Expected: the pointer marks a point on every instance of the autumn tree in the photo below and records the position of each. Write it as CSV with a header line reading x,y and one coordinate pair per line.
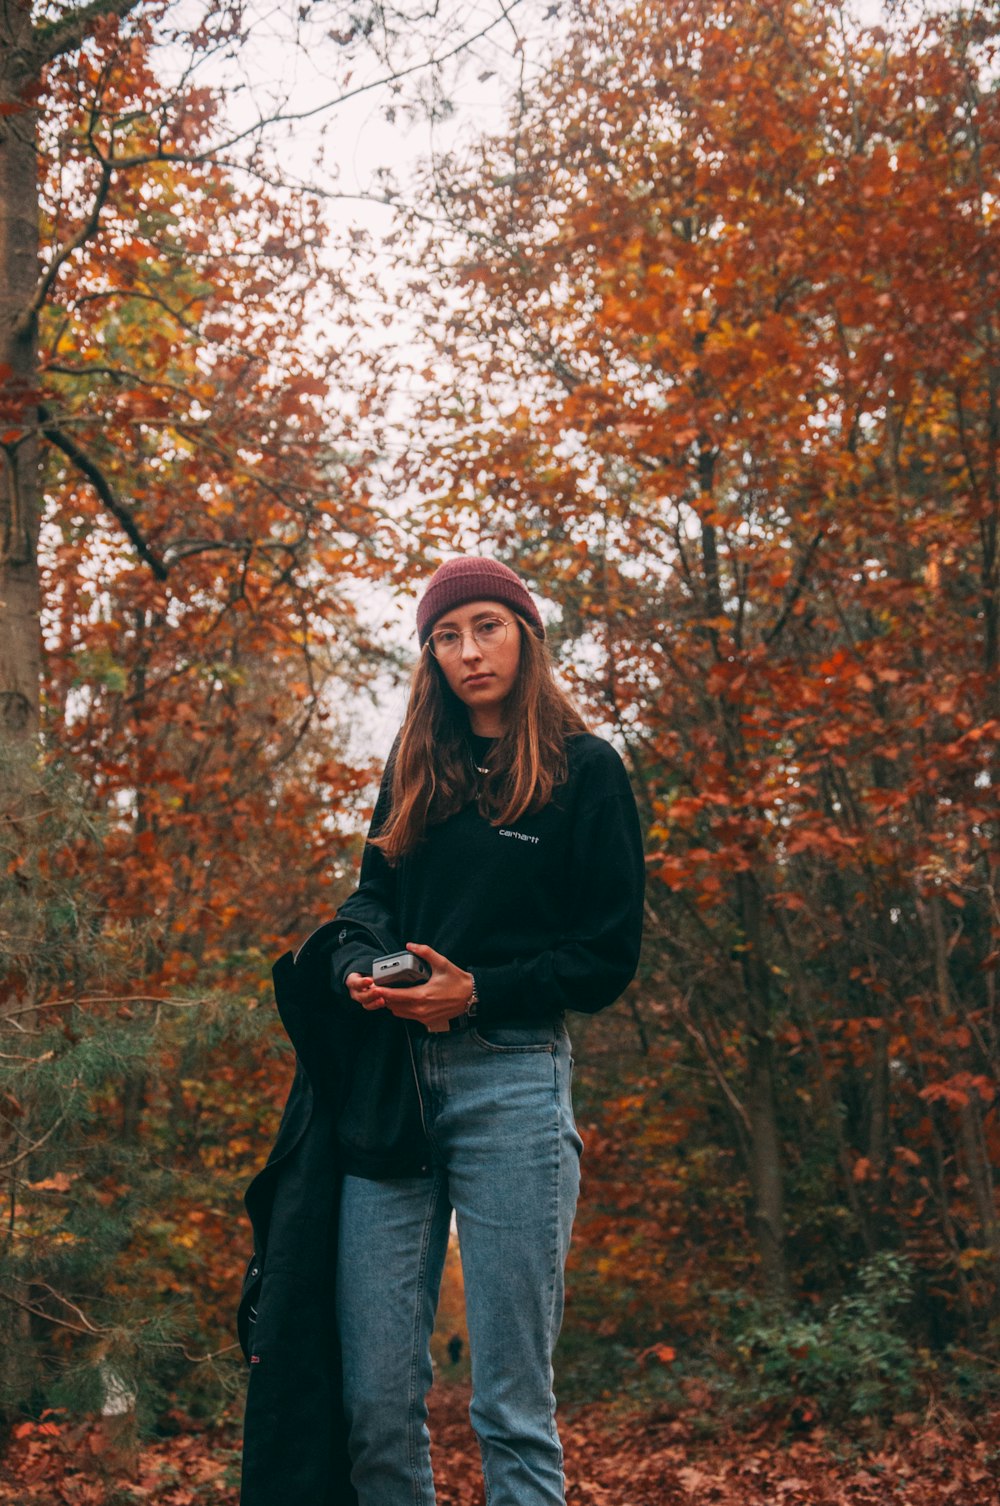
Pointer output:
x,y
206,512
187,511
715,356
109,152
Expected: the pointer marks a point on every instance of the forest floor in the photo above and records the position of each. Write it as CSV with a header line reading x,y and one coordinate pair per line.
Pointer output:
x,y
611,1460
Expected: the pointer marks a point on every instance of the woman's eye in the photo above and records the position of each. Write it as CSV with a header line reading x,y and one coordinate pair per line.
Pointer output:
x,y
488,629
446,640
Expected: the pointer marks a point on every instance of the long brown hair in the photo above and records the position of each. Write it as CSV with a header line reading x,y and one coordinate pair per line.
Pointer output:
x,y
433,775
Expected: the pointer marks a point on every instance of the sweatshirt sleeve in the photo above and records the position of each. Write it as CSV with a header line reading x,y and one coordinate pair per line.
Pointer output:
x,y
374,900
596,958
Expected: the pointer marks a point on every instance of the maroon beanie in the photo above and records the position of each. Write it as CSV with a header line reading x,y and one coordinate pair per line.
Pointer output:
x,y
470,578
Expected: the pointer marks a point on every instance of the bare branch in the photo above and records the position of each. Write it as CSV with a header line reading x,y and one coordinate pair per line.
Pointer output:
x,y
286,117
35,1145
795,587
102,487
109,999
56,37
38,1312
195,1359
60,257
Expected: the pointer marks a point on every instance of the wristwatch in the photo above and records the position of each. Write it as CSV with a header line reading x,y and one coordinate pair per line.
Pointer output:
x,y
470,1008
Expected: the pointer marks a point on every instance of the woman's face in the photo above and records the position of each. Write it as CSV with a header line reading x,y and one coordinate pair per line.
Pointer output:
x,y
482,674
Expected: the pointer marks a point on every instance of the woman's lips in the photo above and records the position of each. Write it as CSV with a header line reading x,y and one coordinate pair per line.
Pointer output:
x,y
477,679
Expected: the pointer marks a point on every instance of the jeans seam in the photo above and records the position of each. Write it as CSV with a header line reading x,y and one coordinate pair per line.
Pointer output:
x,y
485,1045
417,1331
555,1225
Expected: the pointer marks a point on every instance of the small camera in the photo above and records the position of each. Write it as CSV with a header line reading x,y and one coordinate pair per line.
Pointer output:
x,y
399,970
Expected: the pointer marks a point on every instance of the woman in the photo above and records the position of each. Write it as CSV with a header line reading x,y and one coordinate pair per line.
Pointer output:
x,y
504,852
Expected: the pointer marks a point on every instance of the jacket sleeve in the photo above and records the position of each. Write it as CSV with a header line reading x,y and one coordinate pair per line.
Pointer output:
x,y
596,958
374,900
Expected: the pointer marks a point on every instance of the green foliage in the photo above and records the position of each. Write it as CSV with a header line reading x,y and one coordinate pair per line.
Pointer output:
x,y
661,1306
853,1360
849,1366
122,1163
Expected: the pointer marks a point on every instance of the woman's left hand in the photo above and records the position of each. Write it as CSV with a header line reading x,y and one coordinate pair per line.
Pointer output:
x,y
440,999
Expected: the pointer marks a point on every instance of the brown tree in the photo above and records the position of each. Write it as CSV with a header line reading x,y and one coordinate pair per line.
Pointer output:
x,y
717,358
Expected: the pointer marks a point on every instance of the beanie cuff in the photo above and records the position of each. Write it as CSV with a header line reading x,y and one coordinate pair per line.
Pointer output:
x,y
471,578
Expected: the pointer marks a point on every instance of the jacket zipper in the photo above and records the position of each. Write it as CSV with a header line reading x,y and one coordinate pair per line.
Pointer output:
x,y
416,1084
361,925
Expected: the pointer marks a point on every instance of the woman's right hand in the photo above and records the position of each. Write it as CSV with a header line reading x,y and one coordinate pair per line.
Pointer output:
x,y
362,990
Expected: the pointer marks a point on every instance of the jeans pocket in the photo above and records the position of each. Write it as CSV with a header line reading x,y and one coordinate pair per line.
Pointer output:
x,y
515,1038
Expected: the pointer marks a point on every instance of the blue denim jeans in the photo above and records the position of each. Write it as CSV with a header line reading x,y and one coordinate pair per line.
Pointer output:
x,y
506,1156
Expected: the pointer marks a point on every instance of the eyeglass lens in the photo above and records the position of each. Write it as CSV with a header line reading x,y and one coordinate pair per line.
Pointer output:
x,y
487,634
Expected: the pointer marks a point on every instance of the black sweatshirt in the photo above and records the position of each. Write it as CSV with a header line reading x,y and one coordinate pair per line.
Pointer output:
x,y
546,914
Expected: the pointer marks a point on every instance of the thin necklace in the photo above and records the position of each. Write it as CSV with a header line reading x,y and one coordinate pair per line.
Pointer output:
x,y
472,758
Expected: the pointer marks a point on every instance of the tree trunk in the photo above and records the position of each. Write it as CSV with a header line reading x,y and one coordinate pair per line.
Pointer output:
x,y
971,1139
766,1168
20,482
766,1157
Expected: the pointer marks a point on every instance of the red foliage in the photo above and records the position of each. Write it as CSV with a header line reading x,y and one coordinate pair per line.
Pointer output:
x,y
718,364
610,1461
